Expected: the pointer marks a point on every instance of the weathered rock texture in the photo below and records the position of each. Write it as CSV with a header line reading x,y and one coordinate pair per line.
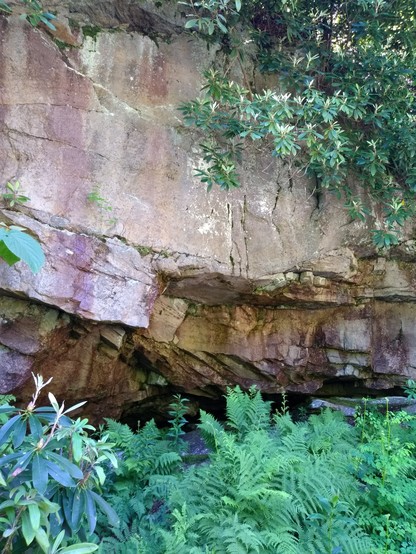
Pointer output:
x,y
160,284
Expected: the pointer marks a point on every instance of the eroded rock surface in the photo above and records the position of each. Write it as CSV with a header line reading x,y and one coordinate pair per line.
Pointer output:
x,y
159,284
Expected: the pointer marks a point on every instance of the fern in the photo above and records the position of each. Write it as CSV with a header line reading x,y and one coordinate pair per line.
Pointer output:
x,y
247,411
270,486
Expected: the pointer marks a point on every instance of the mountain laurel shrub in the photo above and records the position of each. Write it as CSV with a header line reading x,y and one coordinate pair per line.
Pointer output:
x,y
51,474
339,101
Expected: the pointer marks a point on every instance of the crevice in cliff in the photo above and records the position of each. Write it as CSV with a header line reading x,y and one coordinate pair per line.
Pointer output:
x,y
317,194
245,235
234,243
273,214
11,131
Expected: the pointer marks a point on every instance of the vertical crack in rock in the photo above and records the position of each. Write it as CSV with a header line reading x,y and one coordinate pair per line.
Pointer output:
x,y
276,200
245,237
317,194
235,249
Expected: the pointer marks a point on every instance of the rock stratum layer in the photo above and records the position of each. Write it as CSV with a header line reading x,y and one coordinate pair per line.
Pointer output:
x,y
150,283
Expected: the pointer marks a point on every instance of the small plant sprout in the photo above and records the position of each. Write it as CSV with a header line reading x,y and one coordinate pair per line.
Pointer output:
x,y
14,195
106,209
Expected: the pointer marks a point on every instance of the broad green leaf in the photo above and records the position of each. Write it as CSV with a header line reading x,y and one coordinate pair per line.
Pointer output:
x,y
36,429
8,427
60,475
24,461
222,27
90,511
71,468
76,440
81,548
27,528
25,247
106,508
78,502
7,255
111,457
34,516
101,475
4,460
7,408
39,473
19,433
42,540
191,23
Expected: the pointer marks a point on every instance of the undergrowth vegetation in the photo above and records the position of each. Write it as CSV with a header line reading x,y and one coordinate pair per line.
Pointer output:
x,y
265,483
268,485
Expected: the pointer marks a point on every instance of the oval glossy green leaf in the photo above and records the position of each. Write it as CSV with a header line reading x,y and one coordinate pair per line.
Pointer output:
x,y
191,23
36,429
27,529
19,433
25,247
81,548
91,512
100,473
76,440
78,503
71,468
42,539
59,474
112,516
39,473
34,516
8,427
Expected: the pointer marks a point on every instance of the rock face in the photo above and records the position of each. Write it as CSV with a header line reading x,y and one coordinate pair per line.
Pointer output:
x,y
150,282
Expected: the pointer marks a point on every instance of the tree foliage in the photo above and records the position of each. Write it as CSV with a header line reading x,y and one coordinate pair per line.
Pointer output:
x,y
342,107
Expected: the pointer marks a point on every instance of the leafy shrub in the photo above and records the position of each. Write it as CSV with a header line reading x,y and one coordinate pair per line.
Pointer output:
x,y
387,468
148,469
342,107
51,471
269,484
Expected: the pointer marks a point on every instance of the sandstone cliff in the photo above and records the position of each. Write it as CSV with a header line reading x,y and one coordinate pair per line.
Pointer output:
x,y
159,284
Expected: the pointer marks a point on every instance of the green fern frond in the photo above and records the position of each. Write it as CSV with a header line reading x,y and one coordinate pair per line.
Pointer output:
x,y
247,411
211,431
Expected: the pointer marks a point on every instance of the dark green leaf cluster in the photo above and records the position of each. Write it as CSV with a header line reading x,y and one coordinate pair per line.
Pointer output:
x,y
50,472
342,107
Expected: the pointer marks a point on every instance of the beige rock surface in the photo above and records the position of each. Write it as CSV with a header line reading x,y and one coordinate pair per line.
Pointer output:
x,y
160,282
